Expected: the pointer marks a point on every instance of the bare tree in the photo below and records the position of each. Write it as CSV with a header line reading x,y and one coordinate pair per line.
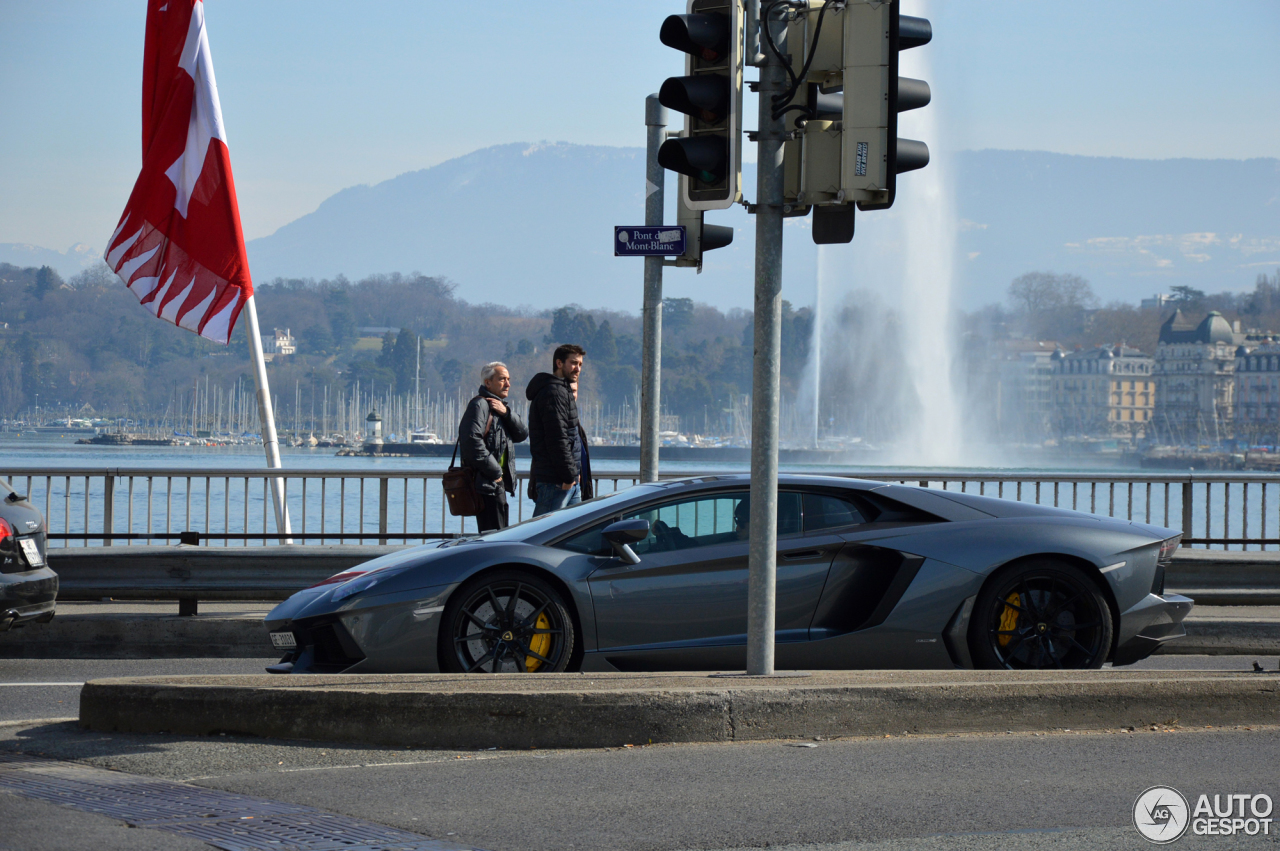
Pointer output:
x,y
1049,303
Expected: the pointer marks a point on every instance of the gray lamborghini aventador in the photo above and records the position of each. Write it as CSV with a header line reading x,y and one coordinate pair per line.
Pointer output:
x,y
654,578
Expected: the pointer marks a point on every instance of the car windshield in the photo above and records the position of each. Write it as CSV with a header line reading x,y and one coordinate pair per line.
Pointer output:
x,y
556,519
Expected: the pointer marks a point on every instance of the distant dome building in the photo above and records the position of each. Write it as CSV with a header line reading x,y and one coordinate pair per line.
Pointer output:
x,y
1195,383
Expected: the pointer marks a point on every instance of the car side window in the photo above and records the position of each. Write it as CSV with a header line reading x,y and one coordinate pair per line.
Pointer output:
x,y
690,523
591,542
822,511
718,519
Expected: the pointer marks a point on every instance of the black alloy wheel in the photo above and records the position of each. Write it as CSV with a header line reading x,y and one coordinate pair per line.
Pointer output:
x,y
1040,615
506,622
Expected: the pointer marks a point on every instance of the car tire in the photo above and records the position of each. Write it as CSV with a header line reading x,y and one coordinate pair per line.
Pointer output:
x,y
508,621
1040,614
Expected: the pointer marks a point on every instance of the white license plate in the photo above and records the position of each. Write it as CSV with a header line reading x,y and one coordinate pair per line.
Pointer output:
x,y
284,640
31,551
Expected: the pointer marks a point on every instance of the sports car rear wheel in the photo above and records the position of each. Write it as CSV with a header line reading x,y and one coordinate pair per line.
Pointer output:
x,y
1040,614
507,622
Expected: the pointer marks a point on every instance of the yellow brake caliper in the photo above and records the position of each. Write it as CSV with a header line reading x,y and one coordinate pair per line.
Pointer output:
x,y
1009,618
540,643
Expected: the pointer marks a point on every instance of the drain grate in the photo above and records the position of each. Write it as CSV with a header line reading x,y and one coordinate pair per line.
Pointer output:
x,y
141,803
225,820
9,760
313,831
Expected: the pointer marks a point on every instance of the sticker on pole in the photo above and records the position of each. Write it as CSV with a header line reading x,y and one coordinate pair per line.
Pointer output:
x,y
644,241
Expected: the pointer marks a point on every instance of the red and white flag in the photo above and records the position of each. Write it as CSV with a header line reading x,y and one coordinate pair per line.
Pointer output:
x,y
179,246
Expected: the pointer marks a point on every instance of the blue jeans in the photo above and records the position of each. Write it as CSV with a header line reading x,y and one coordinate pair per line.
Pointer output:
x,y
553,498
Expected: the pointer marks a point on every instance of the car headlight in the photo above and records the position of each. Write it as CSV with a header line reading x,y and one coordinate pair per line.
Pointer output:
x,y
355,586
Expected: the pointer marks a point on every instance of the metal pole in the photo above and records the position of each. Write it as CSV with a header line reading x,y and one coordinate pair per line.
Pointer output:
x,y
269,441
655,119
761,590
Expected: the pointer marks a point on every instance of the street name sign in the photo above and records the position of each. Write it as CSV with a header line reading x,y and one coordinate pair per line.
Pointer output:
x,y
644,241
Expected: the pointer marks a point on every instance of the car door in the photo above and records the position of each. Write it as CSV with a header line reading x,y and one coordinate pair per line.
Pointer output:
x,y
689,591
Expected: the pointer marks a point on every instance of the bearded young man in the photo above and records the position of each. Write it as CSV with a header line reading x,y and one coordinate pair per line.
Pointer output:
x,y
554,437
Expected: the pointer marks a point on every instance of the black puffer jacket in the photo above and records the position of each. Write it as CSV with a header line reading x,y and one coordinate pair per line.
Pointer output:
x,y
483,452
553,424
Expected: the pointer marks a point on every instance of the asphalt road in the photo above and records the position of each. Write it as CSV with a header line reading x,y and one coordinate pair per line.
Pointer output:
x,y
50,688
1063,790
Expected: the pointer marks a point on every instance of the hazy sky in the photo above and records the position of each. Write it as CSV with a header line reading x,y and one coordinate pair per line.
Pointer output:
x,y
322,95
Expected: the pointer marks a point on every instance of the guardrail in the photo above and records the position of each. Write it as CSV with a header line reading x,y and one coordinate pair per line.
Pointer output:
x,y
97,505
189,574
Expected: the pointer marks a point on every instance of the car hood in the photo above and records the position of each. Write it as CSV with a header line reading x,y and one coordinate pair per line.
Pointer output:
x,y
403,572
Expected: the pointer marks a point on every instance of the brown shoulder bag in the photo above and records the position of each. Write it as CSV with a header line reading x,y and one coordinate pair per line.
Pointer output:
x,y
460,481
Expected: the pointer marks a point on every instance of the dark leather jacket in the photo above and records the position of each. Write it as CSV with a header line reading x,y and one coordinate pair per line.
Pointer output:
x,y
483,452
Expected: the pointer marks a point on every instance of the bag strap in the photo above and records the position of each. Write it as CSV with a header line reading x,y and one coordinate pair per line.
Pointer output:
x,y
484,433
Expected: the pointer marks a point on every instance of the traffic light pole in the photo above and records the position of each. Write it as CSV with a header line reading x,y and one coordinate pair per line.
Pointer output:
x,y
763,558
655,119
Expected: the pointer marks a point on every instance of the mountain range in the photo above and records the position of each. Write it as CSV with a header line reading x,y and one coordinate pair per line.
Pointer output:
x,y
532,224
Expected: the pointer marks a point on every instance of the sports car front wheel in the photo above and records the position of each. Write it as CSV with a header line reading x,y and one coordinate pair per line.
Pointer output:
x,y
506,622
1040,614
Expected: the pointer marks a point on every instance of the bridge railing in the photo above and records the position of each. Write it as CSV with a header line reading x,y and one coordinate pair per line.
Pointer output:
x,y
91,506
98,506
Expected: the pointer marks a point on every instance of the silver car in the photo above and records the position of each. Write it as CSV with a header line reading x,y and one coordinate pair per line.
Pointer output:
x,y
28,587
654,578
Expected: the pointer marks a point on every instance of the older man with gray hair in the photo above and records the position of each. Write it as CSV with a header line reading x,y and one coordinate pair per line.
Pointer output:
x,y
487,436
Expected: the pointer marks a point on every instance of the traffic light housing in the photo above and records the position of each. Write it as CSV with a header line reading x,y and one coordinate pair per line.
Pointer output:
x,y
873,155
844,112
698,235
709,151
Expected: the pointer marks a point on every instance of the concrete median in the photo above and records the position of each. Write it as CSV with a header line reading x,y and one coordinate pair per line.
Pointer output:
x,y
611,710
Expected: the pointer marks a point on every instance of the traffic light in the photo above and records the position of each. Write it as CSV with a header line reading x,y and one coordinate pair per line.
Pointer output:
x,y
698,236
709,152
843,104
874,94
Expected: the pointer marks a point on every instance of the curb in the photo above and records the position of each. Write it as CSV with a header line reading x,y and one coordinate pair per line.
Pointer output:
x,y
132,637
122,636
611,710
1226,638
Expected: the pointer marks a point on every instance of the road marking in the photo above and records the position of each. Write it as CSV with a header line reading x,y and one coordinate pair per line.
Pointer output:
x,y
42,684
28,722
346,766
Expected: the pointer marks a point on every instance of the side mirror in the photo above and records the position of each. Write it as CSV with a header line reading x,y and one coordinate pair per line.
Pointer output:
x,y
622,534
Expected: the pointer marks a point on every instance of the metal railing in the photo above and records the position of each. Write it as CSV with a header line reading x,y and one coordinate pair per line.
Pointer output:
x,y
87,506
1186,501
90,506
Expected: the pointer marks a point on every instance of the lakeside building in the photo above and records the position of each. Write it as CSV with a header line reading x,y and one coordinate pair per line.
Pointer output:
x,y
1257,393
1195,379
1024,390
280,342
1107,392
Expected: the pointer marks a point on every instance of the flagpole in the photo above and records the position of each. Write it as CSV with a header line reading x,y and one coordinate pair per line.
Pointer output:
x,y
269,441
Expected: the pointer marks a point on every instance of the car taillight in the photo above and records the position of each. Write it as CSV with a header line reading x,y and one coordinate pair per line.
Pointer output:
x,y
1167,549
341,577
6,531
